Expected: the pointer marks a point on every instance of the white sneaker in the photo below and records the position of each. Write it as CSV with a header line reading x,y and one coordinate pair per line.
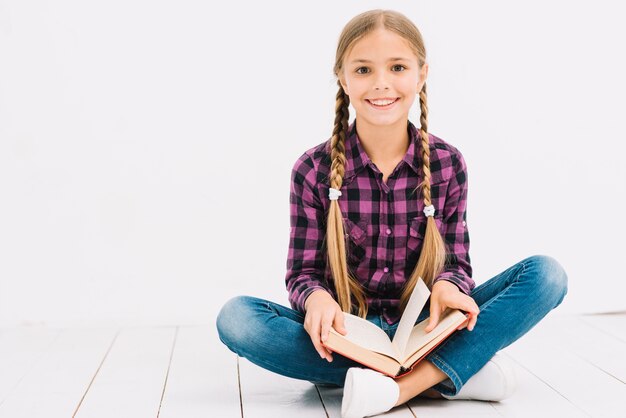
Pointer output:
x,y
494,382
367,392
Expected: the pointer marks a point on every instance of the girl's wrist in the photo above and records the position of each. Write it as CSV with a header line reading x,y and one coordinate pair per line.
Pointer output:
x,y
315,294
445,283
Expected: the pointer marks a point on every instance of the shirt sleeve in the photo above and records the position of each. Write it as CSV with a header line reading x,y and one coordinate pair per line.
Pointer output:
x,y
306,262
458,268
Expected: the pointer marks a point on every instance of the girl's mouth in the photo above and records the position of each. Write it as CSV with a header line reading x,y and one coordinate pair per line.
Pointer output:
x,y
383,104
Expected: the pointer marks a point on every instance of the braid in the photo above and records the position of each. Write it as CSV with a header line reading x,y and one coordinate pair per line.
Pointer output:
x,y
432,256
345,284
337,144
425,148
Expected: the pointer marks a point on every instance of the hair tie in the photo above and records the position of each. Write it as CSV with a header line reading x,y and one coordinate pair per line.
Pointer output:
x,y
429,210
333,194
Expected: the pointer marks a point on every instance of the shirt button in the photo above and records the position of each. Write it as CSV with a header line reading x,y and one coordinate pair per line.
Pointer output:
x,y
386,269
388,231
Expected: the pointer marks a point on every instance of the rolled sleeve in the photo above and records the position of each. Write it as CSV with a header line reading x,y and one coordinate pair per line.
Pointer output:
x,y
305,260
458,268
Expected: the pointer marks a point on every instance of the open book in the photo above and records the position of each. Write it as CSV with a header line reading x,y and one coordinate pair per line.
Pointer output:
x,y
369,345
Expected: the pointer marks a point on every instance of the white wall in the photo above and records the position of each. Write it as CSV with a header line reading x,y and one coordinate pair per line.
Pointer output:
x,y
146,147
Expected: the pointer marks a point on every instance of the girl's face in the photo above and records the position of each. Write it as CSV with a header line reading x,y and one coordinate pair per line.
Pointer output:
x,y
381,76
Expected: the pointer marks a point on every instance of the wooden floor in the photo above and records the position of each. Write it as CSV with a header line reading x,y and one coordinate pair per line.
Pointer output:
x,y
567,366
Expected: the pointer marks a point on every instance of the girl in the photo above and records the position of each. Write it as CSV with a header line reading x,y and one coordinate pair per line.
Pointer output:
x,y
373,208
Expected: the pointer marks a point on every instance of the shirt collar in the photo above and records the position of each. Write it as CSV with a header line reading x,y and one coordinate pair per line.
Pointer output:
x,y
357,158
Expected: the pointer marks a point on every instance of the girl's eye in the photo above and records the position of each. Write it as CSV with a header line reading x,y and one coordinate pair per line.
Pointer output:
x,y
395,66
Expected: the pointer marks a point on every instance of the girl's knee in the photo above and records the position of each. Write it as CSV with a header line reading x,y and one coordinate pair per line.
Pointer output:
x,y
551,275
232,318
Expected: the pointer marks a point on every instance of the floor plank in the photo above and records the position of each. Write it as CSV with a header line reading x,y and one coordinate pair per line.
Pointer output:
x,y
444,408
67,368
20,349
131,380
611,324
583,384
597,347
534,398
332,401
202,381
266,394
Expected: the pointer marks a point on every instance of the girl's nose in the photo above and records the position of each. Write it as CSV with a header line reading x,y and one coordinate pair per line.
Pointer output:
x,y
381,82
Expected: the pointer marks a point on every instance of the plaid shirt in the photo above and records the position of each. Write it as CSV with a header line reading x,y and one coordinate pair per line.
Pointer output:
x,y
385,222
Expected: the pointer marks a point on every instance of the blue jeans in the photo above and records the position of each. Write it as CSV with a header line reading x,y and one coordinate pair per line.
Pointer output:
x,y
511,303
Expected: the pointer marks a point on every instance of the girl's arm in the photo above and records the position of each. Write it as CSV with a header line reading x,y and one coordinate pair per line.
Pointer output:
x,y
308,292
305,260
456,235
453,287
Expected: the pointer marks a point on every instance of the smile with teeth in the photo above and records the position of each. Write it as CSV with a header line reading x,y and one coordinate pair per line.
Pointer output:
x,y
382,102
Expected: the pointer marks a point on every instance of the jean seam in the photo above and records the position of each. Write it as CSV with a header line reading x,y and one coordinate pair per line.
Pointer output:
x,y
445,367
270,307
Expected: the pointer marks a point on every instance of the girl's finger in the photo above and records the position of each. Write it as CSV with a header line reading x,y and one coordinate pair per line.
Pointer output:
x,y
434,318
473,319
326,323
339,322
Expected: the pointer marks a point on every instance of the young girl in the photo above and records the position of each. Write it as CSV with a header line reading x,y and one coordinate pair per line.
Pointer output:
x,y
376,206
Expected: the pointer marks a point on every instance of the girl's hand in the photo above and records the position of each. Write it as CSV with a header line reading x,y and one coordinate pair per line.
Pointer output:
x,y
322,312
446,294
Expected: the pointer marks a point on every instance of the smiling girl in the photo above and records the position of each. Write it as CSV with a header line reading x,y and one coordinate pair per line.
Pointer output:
x,y
377,205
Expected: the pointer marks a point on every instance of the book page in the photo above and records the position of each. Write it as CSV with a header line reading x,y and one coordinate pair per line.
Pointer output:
x,y
414,306
420,338
368,335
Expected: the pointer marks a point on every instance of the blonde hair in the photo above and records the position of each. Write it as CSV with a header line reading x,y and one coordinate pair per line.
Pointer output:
x,y
433,253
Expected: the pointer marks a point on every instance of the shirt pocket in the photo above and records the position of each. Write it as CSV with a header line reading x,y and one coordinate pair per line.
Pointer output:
x,y
417,230
356,239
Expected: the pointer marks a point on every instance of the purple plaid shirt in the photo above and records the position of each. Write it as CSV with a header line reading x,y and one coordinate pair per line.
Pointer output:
x,y
385,222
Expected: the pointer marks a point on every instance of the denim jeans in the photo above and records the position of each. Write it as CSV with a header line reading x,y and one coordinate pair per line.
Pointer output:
x,y
511,303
